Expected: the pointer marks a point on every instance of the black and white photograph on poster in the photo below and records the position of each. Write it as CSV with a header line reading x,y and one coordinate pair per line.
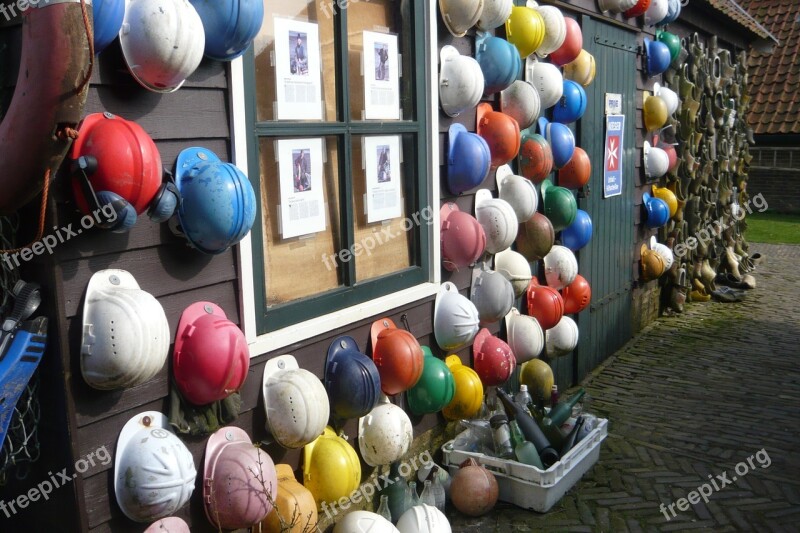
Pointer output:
x,y
302,170
381,62
298,56
297,70
381,76
382,163
300,166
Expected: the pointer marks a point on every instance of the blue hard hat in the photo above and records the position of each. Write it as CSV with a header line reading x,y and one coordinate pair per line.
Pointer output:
x,y
468,159
673,12
351,379
499,60
572,104
230,25
579,233
218,204
657,211
107,16
561,139
658,57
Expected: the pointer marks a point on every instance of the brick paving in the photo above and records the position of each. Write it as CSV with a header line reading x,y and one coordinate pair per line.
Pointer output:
x,y
688,398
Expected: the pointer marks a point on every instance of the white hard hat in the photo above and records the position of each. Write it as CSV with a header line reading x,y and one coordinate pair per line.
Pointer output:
x,y
364,522
498,220
562,338
664,251
520,101
669,96
494,14
384,434
656,12
154,472
555,30
525,336
656,161
455,318
547,79
519,192
491,293
460,81
616,6
163,42
424,519
460,15
125,332
295,401
560,267
515,268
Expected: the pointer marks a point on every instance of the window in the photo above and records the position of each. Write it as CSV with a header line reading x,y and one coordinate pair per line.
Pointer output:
x,y
316,248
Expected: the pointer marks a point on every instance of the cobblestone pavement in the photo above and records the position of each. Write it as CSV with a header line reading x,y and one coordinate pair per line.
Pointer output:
x,y
688,398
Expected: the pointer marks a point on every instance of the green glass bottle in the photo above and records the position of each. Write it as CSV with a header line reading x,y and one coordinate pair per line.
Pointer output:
x,y
524,451
561,412
553,433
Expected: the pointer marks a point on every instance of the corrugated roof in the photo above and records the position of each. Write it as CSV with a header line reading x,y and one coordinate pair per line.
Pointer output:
x,y
774,77
742,15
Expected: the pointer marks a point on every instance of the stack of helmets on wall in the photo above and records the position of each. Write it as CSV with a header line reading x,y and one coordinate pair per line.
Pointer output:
x,y
526,87
696,159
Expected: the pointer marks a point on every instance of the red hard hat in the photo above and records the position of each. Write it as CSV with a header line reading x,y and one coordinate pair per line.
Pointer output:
x,y
128,162
577,172
500,132
494,361
535,237
211,357
544,304
398,356
576,295
535,157
463,239
637,10
672,155
573,44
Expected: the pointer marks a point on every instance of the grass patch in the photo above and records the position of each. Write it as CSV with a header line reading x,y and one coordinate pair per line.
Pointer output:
x,y
773,228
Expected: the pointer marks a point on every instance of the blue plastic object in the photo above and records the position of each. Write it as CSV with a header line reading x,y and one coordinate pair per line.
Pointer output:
x,y
572,104
126,213
673,12
17,364
230,25
579,233
499,61
218,204
561,139
107,16
351,379
658,57
468,159
657,211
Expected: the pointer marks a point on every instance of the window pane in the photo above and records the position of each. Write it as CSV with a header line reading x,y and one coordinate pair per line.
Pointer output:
x,y
264,46
386,246
296,267
381,16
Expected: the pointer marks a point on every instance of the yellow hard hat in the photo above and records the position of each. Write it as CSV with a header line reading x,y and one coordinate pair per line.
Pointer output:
x,y
582,69
525,30
538,377
469,391
331,469
294,503
668,196
655,112
651,263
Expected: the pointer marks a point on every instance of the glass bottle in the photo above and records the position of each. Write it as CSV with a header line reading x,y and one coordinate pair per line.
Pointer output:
x,y
413,497
523,398
383,508
439,493
530,430
554,397
427,496
395,490
524,451
502,437
559,413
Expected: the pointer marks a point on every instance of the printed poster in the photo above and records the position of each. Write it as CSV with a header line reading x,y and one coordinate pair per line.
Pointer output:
x,y
381,76
297,70
612,160
382,165
302,196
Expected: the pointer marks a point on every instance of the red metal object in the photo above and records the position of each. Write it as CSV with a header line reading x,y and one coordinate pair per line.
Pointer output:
x,y
55,58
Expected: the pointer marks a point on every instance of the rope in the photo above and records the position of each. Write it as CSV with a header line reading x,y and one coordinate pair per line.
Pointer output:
x,y
90,39
42,216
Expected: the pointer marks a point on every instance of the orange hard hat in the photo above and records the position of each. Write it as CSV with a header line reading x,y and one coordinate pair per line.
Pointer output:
x,y
573,44
577,172
398,356
576,295
501,133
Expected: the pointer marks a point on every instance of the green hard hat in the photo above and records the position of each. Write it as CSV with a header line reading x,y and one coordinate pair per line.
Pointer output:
x,y
435,387
672,41
559,205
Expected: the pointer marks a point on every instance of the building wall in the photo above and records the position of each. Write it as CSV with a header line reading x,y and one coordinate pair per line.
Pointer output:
x,y
775,173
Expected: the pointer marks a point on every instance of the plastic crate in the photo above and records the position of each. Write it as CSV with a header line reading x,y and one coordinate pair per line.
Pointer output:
x,y
527,486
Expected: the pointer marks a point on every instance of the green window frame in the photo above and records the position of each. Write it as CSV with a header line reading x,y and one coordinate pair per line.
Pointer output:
x,y
415,135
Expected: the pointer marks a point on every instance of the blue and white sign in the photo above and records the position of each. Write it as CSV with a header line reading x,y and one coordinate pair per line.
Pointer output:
x,y
612,166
